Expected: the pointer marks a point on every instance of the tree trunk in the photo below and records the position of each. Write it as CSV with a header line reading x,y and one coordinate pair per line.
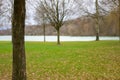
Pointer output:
x,y
58,37
97,20
97,36
44,32
119,19
97,30
18,24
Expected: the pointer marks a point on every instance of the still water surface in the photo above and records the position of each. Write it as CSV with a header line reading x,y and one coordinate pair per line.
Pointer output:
x,y
62,38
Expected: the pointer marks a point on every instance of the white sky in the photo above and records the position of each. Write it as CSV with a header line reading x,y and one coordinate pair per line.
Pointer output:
x,y
31,10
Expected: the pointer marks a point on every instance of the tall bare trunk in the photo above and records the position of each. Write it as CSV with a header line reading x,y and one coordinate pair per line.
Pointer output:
x,y
18,24
44,32
119,19
97,20
97,36
58,36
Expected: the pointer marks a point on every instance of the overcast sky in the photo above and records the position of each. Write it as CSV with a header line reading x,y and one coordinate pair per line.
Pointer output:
x,y
31,11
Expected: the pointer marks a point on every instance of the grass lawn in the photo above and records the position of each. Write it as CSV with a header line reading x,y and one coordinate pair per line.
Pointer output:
x,y
70,61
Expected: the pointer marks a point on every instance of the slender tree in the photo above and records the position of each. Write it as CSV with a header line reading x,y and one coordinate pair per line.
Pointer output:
x,y
18,24
56,12
97,20
119,20
95,14
41,18
44,28
119,17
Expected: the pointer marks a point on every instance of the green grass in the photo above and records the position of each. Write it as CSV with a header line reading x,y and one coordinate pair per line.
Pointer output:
x,y
70,61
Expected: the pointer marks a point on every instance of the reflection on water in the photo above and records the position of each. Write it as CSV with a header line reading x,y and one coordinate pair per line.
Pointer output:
x,y
62,38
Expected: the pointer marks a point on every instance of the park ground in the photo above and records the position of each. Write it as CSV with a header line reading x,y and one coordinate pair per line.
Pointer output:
x,y
94,60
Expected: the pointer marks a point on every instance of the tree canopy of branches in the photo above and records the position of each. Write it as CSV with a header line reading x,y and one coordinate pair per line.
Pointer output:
x,y
0,7
56,11
6,10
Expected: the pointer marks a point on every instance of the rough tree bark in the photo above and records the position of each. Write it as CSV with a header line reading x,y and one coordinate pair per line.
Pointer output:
x,y
18,24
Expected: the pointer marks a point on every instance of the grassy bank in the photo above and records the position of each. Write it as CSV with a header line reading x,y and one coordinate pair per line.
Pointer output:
x,y
70,61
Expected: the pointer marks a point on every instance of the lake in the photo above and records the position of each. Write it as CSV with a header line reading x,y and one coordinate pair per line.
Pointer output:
x,y
62,38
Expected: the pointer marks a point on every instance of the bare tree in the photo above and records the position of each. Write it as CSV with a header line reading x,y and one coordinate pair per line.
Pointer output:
x,y
41,18
44,23
56,12
119,19
18,24
97,20
95,13
114,5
